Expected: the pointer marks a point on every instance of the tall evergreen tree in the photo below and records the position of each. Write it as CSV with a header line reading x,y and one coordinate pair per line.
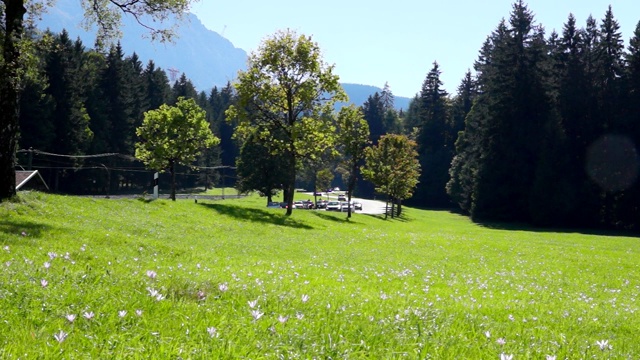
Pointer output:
x,y
183,87
373,111
66,88
386,96
220,101
157,86
628,209
117,91
434,145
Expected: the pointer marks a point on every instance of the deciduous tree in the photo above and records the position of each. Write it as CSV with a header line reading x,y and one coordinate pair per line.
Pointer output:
x,y
353,137
393,167
282,96
173,135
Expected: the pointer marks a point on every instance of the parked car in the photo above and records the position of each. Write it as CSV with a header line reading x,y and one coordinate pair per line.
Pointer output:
x,y
321,204
298,204
342,197
273,205
357,205
333,206
344,206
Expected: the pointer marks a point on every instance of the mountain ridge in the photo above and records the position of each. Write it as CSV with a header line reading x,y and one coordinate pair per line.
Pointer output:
x,y
207,58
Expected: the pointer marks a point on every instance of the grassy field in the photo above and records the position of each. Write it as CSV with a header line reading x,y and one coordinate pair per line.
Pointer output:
x,y
133,279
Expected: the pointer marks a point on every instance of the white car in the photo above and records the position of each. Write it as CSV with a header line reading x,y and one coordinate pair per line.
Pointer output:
x,y
333,206
344,206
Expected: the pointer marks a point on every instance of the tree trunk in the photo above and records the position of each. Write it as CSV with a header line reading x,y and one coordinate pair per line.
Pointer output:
x,y
173,181
291,184
393,207
10,95
386,209
350,186
399,207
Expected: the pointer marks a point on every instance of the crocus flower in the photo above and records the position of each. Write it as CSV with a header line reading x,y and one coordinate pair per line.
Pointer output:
x,y
71,317
256,314
60,336
213,332
603,344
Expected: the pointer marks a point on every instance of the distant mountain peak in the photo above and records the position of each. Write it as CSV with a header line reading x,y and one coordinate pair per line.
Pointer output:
x,y
207,58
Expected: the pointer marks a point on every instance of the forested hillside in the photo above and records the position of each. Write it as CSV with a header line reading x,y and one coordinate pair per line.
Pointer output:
x,y
550,130
80,113
544,130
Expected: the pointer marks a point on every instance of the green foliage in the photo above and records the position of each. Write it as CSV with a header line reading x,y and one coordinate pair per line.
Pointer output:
x,y
282,98
259,169
17,56
392,166
435,141
173,135
353,138
158,16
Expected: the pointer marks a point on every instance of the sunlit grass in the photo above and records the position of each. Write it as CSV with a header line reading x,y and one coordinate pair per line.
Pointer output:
x,y
97,278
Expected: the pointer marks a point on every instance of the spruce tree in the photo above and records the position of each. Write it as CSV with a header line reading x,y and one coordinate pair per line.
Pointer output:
x,y
434,148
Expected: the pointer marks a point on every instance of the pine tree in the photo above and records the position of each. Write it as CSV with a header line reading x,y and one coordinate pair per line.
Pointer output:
x,y
373,111
183,87
517,110
66,88
157,86
117,91
434,147
386,96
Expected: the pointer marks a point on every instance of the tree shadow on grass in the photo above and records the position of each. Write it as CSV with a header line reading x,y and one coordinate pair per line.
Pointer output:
x,y
256,215
519,226
402,218
332,217
18,227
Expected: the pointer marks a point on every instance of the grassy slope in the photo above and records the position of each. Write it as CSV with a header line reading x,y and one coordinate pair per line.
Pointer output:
x,y
429,284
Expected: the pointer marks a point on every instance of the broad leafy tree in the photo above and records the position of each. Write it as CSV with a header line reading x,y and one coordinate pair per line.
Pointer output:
x,y
393,167
173,135
353,138
282,96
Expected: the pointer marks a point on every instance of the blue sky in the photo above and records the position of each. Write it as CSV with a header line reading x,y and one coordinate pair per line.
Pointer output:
x,y
396,41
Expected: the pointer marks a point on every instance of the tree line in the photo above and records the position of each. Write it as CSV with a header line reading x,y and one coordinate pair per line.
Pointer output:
x,y
544,132
81,101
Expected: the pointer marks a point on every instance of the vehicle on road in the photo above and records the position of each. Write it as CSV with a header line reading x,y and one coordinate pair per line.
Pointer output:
x,y
342,197
344,206
357,205
321,204
333,206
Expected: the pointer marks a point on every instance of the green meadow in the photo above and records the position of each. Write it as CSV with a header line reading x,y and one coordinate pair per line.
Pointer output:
x,y
87,278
